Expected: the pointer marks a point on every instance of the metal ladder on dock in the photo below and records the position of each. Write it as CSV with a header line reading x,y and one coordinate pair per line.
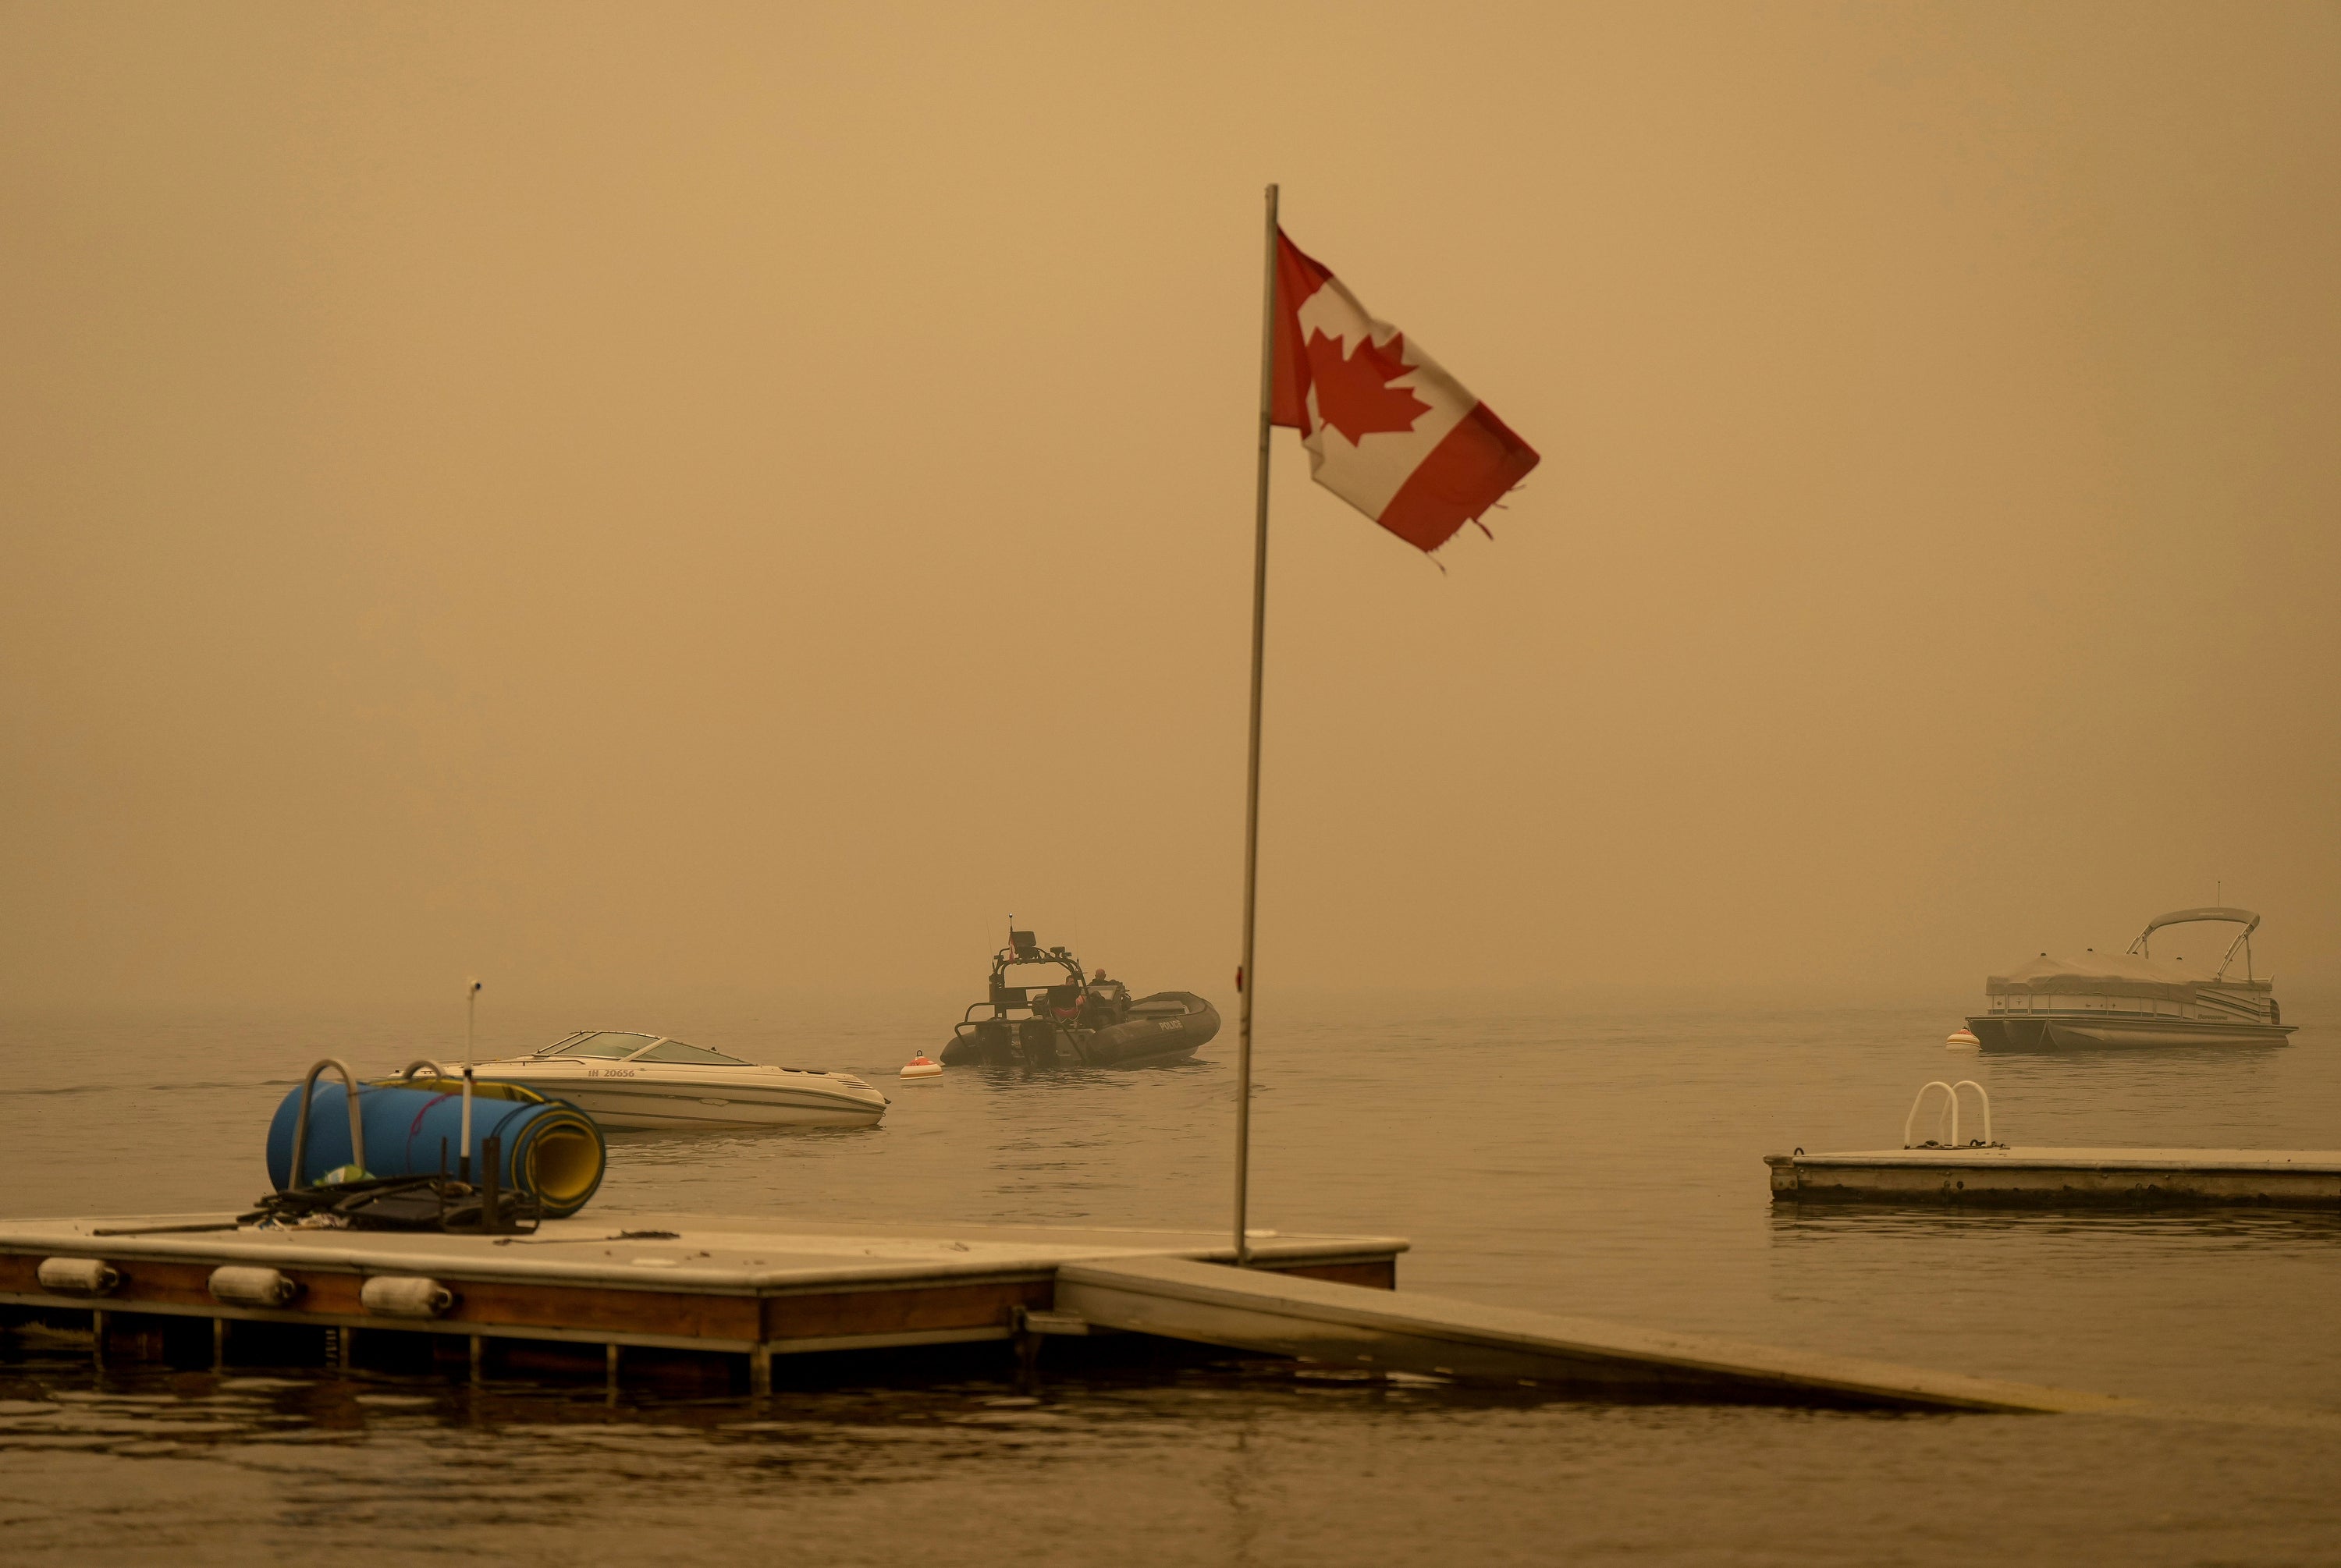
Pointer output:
x,y
1946,1125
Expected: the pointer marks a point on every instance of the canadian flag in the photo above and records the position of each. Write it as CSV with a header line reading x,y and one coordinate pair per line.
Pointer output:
x,y
1388,431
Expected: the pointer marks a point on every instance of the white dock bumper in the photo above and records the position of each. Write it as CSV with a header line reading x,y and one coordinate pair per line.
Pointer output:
x,y
405,1296
78,1276
262,1287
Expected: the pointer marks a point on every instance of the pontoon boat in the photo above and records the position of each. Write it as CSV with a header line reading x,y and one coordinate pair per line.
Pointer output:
x,y
2133,999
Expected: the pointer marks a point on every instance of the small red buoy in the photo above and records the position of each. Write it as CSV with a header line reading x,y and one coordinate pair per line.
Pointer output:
x,y
924,1067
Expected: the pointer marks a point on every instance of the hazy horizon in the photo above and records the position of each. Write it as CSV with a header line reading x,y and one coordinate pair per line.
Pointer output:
x,y
641,502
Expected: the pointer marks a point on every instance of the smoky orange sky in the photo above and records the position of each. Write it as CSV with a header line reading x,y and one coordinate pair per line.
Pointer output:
x,y
624,499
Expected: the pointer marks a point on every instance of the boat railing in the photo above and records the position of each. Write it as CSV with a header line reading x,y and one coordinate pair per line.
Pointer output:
x,y
1946,1125
301,1120
2249,921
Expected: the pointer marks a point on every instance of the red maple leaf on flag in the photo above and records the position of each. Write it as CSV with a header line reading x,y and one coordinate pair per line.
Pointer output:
x,y
1354,394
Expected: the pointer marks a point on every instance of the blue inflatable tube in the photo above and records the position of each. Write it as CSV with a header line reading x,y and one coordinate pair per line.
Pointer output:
x,y
550,1150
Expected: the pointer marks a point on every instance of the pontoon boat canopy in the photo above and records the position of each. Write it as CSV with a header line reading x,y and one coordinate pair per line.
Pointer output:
x,y
2244,918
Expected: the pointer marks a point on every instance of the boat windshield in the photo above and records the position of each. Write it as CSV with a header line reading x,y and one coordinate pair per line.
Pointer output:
x,y
607,1044
688,1056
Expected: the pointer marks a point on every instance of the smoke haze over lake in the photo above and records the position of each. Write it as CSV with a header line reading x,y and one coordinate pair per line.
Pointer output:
x,y
695,513
630,502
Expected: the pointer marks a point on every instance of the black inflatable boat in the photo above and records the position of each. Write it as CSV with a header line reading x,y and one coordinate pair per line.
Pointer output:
x,y
1067,1019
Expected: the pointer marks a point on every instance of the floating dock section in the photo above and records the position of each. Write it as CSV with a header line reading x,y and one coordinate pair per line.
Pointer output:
x,y
1395,1330
2058,1177
749,1291
733,1286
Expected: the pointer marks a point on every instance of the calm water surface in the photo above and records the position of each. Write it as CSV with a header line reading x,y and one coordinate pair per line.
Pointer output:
x,y
1597,1162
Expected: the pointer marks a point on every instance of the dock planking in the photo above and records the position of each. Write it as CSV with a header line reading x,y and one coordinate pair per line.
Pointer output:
x,y
1404,1331
2002,1177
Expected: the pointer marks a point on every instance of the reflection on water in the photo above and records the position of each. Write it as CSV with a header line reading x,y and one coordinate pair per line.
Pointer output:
x,y
1204,1465
1601,1164
2084,1057
697,1146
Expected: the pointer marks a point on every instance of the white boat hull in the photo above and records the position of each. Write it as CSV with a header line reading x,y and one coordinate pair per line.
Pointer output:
x,y
644,1103
2047,1030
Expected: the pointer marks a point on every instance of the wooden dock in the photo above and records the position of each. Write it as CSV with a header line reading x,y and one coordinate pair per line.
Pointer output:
x,y
688,1283
730,1289
2056,1177
1401,1331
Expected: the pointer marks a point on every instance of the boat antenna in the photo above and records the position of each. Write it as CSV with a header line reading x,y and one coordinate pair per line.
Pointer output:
x,y
471,1012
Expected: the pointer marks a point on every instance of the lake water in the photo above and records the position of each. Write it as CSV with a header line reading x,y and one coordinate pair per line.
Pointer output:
x,y
1584,1159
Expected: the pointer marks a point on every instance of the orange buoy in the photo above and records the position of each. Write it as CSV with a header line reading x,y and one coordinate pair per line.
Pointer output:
x,y
924,1067
1962,1040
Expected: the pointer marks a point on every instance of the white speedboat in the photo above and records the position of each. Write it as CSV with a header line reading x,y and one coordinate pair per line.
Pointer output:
x,y
631,1080
2133,999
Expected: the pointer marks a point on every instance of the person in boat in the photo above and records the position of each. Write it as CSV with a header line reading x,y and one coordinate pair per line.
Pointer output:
x,y
1104,1002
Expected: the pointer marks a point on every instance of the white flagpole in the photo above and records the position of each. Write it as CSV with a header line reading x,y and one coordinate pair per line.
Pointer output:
x,y
1246,981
